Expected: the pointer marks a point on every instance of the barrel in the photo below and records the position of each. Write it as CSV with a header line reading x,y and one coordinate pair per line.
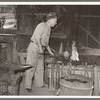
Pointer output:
x,y
76,85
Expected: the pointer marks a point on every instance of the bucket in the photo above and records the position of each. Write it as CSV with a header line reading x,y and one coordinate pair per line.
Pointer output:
x,y
76,85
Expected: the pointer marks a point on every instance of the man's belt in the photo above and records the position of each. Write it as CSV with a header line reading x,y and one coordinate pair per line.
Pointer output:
x,y
36,43
33,42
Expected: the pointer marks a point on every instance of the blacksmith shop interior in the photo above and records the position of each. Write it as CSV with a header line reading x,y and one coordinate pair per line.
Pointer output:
x,y
50,50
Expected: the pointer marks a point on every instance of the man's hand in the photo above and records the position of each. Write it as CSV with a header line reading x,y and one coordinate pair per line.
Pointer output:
x,y
51,53
41,51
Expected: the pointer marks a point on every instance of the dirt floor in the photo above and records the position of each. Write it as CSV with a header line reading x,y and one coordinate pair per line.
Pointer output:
x,y
37,91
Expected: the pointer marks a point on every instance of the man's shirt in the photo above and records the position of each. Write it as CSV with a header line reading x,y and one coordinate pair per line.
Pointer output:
x,y
42,32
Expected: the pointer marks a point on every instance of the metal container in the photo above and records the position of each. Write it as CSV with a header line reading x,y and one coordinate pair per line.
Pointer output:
x,y
76,85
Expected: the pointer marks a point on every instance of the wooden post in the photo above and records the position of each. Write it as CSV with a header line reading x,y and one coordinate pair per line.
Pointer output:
x,y
99,40
58,75
55,77
85,70
92,72
9,55
14,52
51,77
96,82
87,37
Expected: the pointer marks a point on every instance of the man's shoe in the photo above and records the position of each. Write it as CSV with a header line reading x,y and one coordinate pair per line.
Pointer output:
x,y
29,90
44,85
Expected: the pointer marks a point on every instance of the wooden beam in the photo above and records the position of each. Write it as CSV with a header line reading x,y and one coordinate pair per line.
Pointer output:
x,y
89,33
37,14
7,34
91,16
89,51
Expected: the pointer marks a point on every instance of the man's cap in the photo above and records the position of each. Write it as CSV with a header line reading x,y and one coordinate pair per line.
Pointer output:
x,y
51,15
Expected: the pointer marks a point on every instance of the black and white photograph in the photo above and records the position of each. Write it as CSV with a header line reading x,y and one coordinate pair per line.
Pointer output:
x,y
49,50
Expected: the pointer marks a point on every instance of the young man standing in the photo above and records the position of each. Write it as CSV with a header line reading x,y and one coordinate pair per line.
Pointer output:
x,y
35,52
